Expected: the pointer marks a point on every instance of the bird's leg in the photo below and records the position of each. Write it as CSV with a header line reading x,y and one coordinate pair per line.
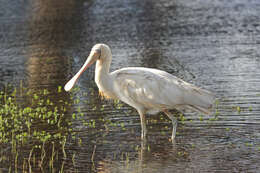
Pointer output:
x,y
174,122
144,130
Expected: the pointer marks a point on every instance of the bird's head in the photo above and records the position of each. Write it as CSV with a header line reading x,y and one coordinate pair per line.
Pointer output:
x,y
100,53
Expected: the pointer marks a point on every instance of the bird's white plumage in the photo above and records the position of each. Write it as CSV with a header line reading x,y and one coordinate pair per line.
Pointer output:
x,y
145,89
155,90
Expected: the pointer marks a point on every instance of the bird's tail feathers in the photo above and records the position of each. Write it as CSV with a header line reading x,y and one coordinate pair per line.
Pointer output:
x,y
199,109
199,100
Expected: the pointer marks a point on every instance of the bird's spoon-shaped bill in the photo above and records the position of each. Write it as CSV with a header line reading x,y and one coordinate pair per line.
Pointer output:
x,y
69,85
90,60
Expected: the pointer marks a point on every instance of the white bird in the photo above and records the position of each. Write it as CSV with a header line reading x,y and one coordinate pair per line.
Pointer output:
x,y
147,90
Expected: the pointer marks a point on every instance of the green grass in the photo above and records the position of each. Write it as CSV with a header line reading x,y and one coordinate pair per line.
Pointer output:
x,y
37,124
34,120
42,122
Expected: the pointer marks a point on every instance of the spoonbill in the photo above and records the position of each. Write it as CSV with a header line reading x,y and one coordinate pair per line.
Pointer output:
x,y
148,90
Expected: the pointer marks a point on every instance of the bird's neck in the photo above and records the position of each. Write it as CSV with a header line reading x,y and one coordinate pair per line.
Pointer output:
x,y
102,76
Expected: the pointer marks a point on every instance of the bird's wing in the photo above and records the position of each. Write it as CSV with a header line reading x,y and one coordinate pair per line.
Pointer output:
x,y
152,88
149,88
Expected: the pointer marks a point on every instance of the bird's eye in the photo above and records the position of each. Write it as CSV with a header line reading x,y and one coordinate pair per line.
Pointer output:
x,y
98,51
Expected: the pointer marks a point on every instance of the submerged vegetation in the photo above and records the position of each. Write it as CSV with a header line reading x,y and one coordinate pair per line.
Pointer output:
x,y
42,123
31,119
23,123
38,128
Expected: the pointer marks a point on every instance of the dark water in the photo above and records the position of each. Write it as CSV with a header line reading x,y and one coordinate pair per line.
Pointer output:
x,y
211,43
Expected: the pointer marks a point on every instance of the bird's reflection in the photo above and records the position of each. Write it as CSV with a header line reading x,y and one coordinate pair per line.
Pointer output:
x,y
150,158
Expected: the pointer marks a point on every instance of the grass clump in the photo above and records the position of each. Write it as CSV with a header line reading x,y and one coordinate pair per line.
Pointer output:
x,y
27,122
32,122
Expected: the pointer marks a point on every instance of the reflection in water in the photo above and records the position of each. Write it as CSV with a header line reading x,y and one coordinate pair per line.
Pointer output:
x,y
218,42
152,44
148,155
149,34
149,30
54,30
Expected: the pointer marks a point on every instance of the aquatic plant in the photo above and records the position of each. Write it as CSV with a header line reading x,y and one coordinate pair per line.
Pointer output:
x,y
32,119
41,122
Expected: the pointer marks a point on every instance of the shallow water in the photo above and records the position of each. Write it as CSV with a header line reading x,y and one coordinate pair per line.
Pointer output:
x,y
213,44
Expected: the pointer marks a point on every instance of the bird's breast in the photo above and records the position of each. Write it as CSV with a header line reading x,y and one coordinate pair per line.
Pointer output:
x,y
105,86
104,91
106,95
